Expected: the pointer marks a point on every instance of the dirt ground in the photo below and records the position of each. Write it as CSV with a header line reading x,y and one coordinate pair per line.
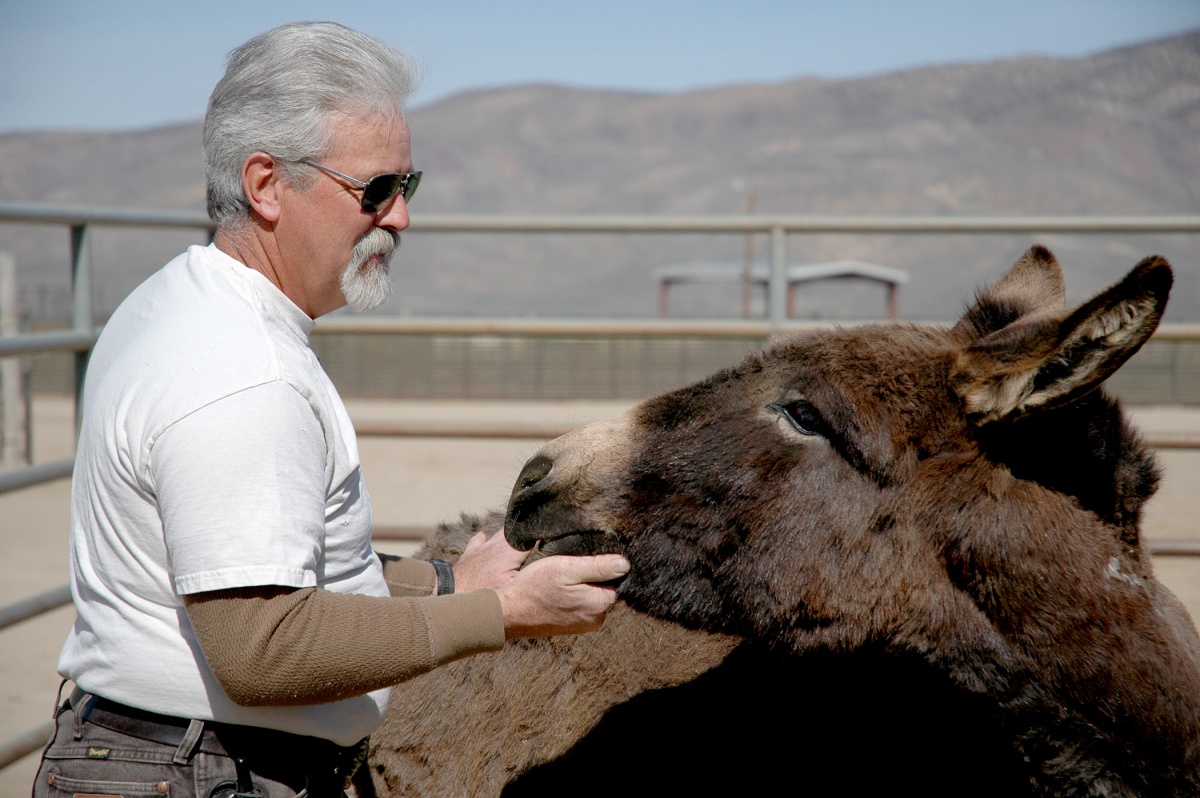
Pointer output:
x,y
413,482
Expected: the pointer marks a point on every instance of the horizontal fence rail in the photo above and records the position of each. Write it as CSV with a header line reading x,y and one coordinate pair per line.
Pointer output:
x,y
558,328
36,474
33,740
33,606
607,328
383,429
41,213
54,341
81,215
755,223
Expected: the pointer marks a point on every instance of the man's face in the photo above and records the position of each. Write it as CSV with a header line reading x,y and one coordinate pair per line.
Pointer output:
x,y
334,251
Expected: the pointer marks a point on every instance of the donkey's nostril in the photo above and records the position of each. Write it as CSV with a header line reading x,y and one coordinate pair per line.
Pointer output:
x,y
534,471
529,496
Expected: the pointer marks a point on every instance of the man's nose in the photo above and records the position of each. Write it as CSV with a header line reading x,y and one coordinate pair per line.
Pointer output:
x,y
394,215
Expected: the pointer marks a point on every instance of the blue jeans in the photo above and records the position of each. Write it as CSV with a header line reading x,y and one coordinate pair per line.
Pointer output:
x,y
104,749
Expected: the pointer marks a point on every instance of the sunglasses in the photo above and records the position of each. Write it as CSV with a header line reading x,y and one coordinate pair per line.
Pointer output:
x,y
380,188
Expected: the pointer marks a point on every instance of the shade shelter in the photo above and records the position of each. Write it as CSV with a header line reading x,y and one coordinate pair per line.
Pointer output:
x,y
795,275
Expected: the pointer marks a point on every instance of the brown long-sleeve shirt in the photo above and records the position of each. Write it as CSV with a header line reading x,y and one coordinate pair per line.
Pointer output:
x,y
275,646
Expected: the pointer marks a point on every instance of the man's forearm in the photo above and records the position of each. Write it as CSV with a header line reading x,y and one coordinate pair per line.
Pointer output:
x,y
274,646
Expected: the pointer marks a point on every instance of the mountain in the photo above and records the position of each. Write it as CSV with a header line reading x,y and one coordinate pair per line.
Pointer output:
x,y
1114,133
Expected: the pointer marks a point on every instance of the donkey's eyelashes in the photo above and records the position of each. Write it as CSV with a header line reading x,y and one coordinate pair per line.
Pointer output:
x,y
801,414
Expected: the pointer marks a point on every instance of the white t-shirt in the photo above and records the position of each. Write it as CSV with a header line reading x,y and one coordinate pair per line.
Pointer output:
x,y
214,453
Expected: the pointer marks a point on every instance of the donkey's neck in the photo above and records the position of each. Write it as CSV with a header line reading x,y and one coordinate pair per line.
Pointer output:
x,y
1088,451
1097,678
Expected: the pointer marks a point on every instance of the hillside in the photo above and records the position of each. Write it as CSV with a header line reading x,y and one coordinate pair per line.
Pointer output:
x,y
1116,133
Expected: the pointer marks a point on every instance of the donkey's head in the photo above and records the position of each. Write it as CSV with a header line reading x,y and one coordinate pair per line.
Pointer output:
x,y
882,484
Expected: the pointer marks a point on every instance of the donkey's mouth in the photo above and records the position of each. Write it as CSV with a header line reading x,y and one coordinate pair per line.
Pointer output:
x,y
579,542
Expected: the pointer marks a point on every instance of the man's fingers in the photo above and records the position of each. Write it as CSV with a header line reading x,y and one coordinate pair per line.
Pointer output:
x,y
486,562
594,568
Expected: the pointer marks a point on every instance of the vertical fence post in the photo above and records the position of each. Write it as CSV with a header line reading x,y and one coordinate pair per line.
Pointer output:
x,y
777,283
81,312
14,409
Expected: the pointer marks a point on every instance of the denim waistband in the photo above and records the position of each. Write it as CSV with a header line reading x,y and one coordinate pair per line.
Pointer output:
x,y
262,749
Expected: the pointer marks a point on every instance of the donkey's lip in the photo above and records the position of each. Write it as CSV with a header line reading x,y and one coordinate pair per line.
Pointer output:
x,y
576,531
582,542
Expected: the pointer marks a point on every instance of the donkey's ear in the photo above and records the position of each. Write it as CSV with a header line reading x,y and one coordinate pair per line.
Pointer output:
x,y
1047,361
1033,286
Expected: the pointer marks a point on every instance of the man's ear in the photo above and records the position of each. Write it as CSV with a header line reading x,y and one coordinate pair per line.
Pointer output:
x,y
263,181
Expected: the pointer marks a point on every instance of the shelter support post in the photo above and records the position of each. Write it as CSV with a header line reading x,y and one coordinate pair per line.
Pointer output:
x,y
777,282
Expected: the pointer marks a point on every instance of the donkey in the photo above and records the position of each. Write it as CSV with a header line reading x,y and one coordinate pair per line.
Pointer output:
x,y
966,498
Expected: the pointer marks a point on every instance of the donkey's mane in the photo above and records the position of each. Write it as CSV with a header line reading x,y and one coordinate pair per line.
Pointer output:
x,y
1087,450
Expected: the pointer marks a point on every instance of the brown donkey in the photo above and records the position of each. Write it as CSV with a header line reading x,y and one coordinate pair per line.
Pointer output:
x,y
865,561
967,497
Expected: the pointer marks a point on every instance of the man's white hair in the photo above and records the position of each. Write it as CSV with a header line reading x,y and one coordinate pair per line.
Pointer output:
x,y
279,93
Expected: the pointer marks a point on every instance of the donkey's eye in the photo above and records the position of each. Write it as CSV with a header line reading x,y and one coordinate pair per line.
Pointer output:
x,y
801,415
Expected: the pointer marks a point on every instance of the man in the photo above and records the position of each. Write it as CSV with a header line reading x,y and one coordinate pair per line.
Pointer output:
x,y
235,631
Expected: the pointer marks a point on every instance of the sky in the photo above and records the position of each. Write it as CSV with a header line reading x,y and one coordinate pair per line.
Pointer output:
x,y
128,64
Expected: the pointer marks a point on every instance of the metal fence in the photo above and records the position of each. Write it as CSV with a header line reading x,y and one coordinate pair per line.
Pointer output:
x,y
370,358
515,345
396,359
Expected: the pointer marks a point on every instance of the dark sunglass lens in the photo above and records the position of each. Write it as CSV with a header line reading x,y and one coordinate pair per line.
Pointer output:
x,y
382,188
379,190
410,185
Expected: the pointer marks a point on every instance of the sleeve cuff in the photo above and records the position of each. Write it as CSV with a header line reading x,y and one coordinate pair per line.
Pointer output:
x,y
406,576
465,623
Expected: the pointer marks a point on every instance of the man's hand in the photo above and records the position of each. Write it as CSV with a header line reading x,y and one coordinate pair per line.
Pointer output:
x,y
553,596
557,595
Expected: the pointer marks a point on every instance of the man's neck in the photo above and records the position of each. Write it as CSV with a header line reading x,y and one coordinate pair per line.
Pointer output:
x,y
254,252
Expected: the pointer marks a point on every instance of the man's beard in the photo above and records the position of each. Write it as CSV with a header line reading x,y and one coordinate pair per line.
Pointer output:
x,y
365,284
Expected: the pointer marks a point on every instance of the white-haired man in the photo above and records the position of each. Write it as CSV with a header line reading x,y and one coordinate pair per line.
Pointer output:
x,y
236,634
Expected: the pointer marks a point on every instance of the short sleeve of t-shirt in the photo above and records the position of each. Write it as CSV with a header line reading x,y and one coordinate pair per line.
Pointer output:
x,y
240,485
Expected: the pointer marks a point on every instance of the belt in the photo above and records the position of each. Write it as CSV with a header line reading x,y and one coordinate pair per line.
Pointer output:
x,y
267,751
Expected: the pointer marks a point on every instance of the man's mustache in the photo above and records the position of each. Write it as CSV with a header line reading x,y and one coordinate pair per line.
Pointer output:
x,y
377,241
